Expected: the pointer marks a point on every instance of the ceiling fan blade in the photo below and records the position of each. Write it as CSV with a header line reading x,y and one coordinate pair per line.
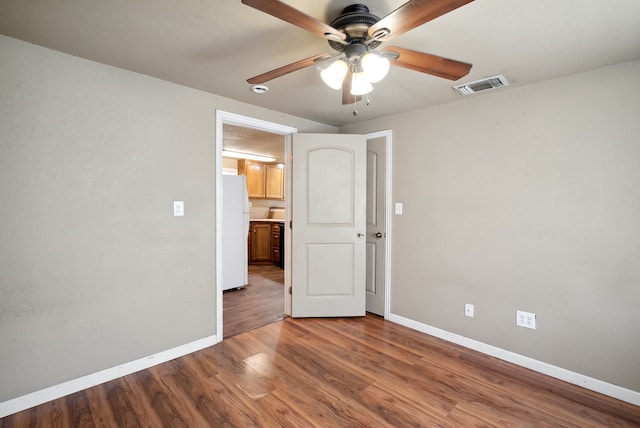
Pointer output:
x,y
293,16
285,69
413,14
347,96
430,64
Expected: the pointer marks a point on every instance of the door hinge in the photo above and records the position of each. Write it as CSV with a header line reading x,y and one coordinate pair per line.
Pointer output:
x,y
290,290
290,224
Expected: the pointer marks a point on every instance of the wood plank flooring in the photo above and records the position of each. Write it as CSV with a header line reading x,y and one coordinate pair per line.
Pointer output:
x,y
260,302
332,372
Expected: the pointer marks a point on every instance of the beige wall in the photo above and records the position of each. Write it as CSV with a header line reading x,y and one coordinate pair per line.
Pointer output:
x,y
94,269
526,199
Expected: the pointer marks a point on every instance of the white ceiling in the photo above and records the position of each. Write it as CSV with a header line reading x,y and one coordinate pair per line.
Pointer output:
x,y
215,45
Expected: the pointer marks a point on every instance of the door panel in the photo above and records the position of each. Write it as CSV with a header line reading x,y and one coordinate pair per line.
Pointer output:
x,y
335,282
371,286
330,186
376,224
372,187
328,214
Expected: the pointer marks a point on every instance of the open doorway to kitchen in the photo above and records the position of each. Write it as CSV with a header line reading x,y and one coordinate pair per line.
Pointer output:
x,y
257,157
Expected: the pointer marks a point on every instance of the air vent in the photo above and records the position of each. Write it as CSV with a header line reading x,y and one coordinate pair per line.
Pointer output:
x,y
482,85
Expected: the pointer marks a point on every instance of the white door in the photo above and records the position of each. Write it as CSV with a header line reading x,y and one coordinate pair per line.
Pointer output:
x,y
376,224
328,234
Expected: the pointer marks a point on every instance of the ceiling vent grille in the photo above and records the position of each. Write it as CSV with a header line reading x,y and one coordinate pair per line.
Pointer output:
x,y
482,85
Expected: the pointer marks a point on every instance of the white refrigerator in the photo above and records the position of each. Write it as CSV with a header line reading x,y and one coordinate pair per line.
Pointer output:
x,y
235,230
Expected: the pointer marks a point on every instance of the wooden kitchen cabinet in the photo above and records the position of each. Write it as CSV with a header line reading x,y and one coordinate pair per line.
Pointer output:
x,y
275,244
264,181
274,182
260,248
255,173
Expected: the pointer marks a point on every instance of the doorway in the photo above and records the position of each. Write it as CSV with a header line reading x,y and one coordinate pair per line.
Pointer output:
x,y
287,132
259,156
262,300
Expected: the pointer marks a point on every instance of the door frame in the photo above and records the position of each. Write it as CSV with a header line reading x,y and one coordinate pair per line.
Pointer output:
x,y
388,138
222,118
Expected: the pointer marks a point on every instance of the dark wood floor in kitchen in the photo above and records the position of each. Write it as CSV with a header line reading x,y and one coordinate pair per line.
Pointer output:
x,y
260,302
333,372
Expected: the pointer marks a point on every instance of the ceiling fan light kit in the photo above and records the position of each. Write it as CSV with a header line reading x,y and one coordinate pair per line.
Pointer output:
x,y
355,35
334,74
360,84
365,70
375,66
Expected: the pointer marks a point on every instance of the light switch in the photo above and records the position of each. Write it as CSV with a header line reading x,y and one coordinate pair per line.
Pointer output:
x,y
178,208
399,208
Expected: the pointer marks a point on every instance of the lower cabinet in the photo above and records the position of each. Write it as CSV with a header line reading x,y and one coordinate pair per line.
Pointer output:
x,y
276,257
260,242
266,243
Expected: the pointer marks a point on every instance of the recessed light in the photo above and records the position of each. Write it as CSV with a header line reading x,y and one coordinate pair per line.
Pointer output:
x,y
259,89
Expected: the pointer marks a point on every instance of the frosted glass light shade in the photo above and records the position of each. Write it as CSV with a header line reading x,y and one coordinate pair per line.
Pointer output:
x,y
360,84
375,66
333,75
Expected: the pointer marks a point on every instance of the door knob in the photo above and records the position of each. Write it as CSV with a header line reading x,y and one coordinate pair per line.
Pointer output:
x,y
360,235
377,235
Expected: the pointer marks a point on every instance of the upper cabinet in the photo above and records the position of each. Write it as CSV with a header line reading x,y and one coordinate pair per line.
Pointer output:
x,y
255,173
274,186
264,181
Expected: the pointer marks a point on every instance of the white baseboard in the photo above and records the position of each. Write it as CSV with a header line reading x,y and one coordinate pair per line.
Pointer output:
x,y
27,401
587,382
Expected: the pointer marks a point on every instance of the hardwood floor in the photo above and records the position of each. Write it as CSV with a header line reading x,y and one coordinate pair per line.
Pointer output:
x,y
328,373
260,302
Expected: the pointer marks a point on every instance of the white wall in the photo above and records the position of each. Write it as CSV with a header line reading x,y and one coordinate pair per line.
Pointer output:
x,y
529,199
94,269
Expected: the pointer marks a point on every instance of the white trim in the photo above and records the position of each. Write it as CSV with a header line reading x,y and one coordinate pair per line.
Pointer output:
x,y
250,122
288,150
218,198
223,117
388,136
27,401
574,378
388,230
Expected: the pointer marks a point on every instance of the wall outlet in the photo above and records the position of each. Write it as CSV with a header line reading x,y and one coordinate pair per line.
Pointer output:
x,y
468,310
526,319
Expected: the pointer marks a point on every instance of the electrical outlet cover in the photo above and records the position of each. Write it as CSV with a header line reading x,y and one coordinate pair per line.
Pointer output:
x,y
468,310
526,319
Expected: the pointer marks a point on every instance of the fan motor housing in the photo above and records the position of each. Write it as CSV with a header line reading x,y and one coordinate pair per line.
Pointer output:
x,y
354,21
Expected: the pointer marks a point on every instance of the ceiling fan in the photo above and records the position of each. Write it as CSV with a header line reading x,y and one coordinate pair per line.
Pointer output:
x,y
355,36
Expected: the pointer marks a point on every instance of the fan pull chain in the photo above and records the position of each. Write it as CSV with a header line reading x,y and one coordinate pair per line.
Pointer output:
x,y
367,102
